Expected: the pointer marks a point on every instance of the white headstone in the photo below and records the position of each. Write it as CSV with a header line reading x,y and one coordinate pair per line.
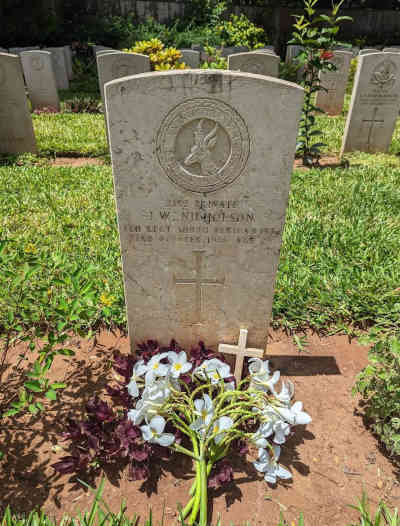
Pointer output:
x,y
375,104
18,50
16,129
201,182
335,82
68,61
40,79
96,49
255,62
112,66
392,50
60,66
191,58
367,51
226,51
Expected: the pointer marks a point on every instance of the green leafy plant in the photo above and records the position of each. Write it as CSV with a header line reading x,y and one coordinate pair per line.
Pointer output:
x,y
379,385
382,517
240,31
215,60
316,34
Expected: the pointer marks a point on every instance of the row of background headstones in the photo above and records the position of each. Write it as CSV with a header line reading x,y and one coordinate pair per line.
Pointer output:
x,y
39,74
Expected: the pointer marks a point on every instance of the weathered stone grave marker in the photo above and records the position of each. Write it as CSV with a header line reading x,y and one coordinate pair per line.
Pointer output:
x,y
335,82
60,66
391,49
68,61
40,79
201,183
191,58
16,129
117,64
259,62
375,103
368,51
18,50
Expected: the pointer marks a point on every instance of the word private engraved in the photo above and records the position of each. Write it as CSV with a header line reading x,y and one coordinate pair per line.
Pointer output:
x,y
203,145
384,75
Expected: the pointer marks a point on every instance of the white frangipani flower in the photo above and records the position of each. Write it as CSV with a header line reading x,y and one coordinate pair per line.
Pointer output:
x,y
155,368
220,427
260,375
139,370
265,430
213,370
179,363
154,432
138,414
281,430
205,409
268,465
286,393
294,415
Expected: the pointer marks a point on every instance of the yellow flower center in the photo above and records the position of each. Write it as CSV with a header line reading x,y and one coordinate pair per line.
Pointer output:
x,y
178,366
155,366
216,429
216,376
204,413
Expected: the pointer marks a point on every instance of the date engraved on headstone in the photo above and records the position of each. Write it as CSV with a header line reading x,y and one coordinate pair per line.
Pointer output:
x,y
203,145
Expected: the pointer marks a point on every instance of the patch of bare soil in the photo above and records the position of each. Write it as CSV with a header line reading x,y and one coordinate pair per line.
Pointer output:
x,y
332,460
328,161
76,161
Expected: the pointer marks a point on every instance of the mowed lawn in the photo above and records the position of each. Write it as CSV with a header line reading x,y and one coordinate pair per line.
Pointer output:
x,y
340,259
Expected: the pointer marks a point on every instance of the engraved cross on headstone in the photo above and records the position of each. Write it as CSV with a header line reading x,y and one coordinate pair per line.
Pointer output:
x,y
372,122
241,353
199,282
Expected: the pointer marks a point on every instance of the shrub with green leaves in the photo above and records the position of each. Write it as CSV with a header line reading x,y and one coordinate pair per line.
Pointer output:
x,y
379,385
240,31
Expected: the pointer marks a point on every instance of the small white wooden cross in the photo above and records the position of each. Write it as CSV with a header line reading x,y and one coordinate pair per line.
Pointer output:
x,y
240,352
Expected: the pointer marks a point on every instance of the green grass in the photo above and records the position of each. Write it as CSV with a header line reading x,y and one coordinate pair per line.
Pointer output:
x,y
69,134
340,259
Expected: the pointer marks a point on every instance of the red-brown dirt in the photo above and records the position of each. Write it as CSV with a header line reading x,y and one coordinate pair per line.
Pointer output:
x,y
332,460
76,161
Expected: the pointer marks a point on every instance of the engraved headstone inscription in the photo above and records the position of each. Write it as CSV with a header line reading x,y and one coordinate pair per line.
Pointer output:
x,y
40,79
255,62
375,104
16,129
334,82
201,182
60,66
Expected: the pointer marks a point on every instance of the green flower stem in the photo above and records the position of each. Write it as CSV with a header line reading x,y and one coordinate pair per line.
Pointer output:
x,y
203,489
197,496
181,449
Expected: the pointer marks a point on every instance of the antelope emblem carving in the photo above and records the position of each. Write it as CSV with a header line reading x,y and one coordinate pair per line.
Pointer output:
x,y
200,152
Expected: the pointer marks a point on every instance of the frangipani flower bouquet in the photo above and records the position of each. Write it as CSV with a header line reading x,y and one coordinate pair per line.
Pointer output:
x,y
190,404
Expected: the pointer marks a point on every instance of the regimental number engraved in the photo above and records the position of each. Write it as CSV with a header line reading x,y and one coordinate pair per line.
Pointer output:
x,y
199,282
203,145
384,75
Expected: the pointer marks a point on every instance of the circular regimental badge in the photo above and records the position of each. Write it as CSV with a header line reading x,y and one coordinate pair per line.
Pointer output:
x,y
203,145
384,75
